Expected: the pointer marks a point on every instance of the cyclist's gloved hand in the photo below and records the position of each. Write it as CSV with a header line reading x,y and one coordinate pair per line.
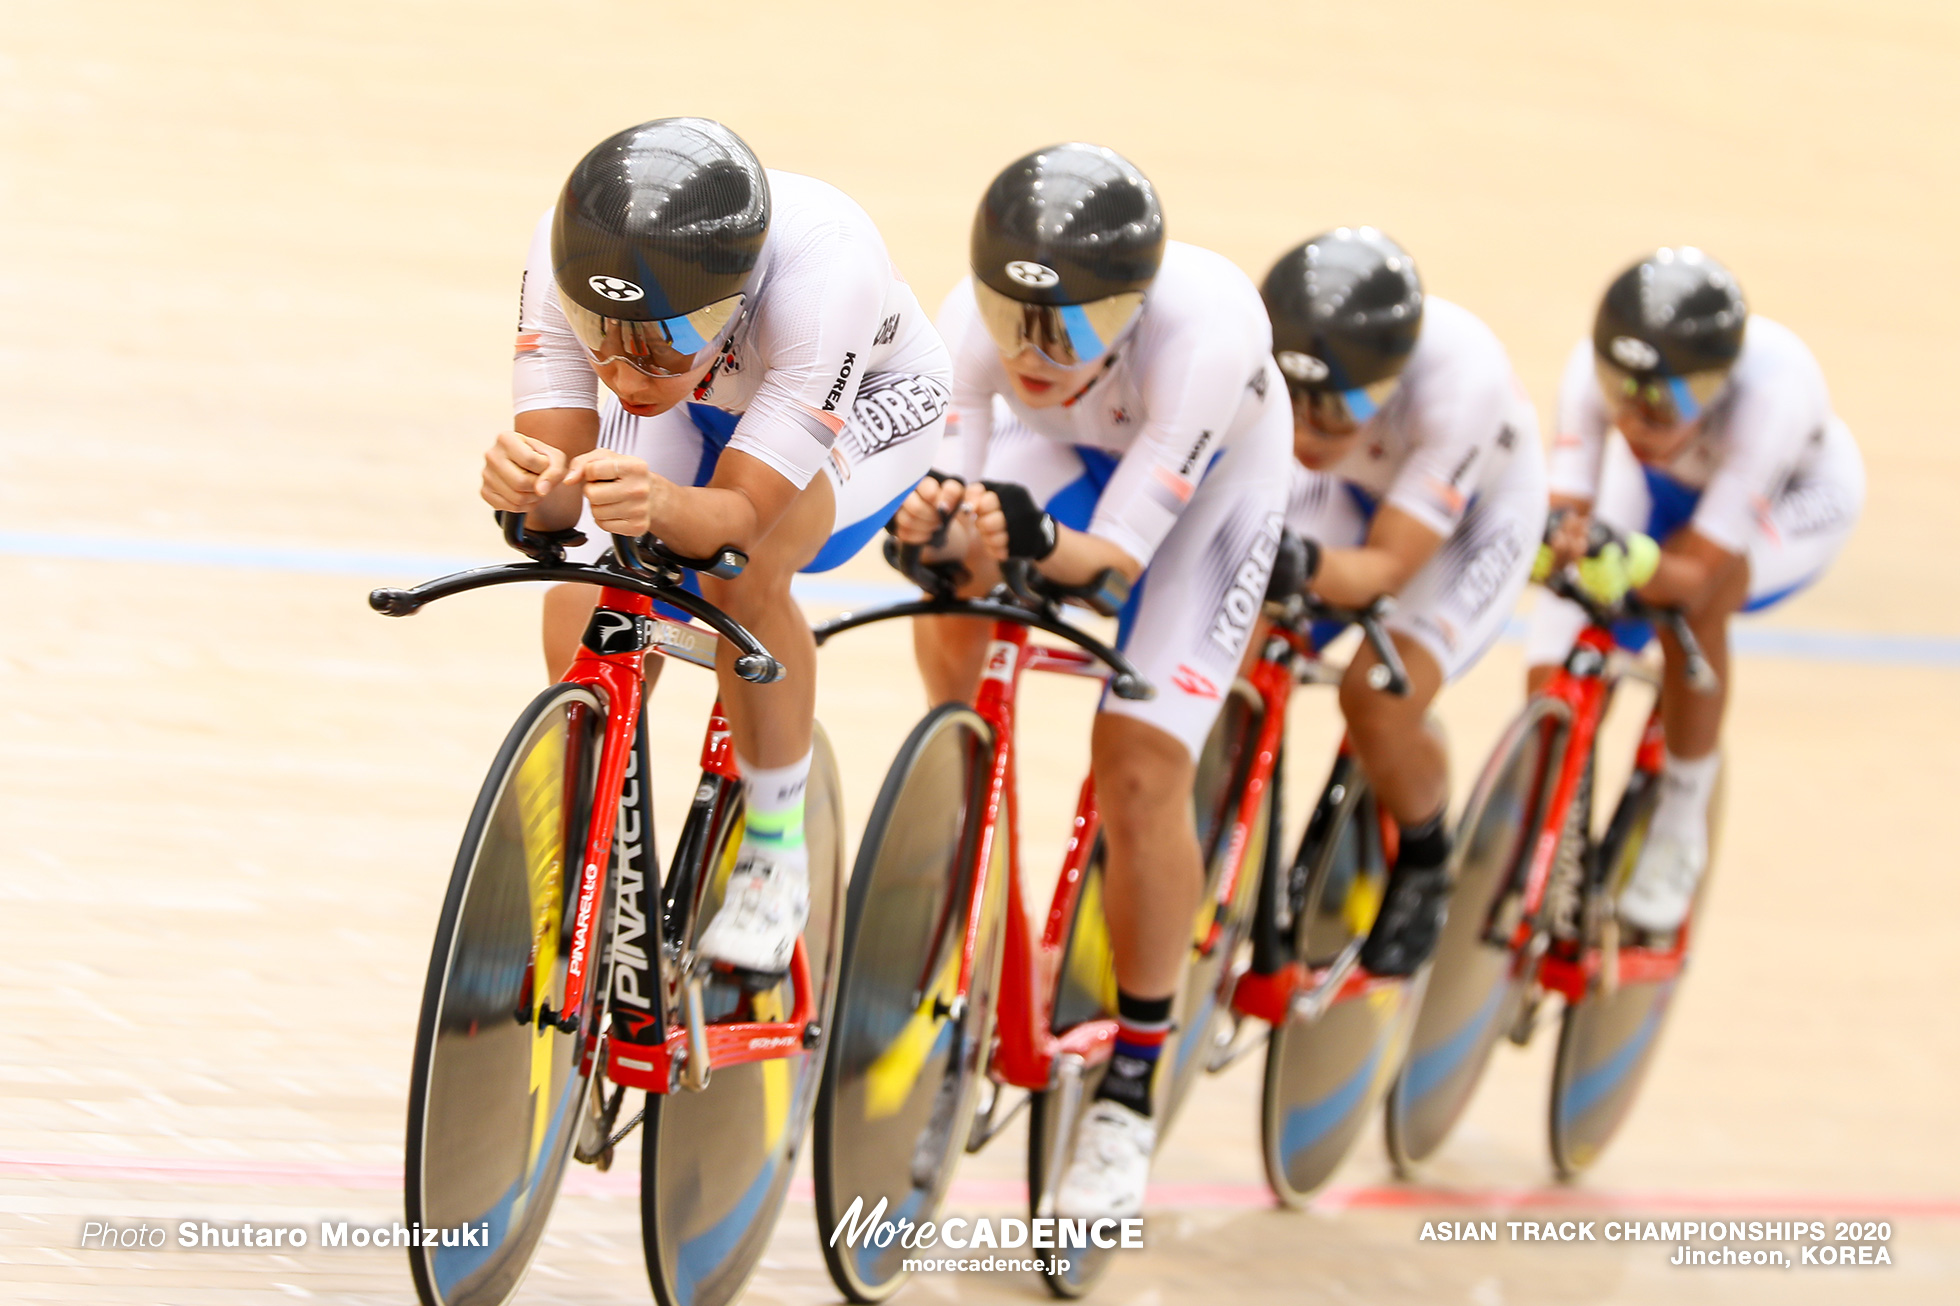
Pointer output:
x,y
1031,532
1617,566
1294,567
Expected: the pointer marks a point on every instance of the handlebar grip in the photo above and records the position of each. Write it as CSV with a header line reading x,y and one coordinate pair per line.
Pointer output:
x,y
394,603
726,564
759,668
539,546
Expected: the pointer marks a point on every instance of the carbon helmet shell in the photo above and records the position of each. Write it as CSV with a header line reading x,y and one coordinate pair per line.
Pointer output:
x,y
1066,225
1346,308
1673,313
660,220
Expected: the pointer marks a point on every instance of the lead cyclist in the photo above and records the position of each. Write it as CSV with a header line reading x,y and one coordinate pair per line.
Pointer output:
x,y
769,382
1687,422
1418,475
1117,407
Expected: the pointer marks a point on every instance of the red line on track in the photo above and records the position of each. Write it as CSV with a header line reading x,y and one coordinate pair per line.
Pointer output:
x,y
983,1193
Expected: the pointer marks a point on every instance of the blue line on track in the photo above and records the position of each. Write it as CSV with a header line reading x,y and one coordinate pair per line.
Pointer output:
x,y
1870,649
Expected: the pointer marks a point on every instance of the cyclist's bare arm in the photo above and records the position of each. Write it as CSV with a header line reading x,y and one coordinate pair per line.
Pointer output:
x,y
1691,571
1398,545
739,506
1078,557
524,469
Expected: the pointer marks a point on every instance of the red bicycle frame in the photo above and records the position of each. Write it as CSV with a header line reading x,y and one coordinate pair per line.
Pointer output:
x,y
1585,695
1269,997
620,680
1025,1052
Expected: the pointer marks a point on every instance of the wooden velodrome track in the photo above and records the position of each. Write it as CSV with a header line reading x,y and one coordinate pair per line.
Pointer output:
x,y
257,266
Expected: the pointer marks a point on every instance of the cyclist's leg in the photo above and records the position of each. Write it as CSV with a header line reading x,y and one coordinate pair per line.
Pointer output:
x,y
1805,528
1446,618
874,463
950,650
1190,618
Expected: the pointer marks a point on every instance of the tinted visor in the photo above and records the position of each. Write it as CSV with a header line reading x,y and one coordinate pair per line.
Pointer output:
x,y
1067,335
1663,402
1339,411
673,347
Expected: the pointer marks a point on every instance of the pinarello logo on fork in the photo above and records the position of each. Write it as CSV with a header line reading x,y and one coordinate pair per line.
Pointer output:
x,y
1193,683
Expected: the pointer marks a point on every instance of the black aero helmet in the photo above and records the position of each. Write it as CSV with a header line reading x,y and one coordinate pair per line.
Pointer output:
x,y
1065,242
654,238
1667,332
1346,309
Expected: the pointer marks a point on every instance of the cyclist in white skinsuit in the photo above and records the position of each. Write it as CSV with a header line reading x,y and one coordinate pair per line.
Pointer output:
x,y
770,383
775,393
1419,475
1456,447
1147,459
1116,406
1731,457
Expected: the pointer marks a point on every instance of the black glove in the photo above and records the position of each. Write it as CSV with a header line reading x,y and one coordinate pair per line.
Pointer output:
x,y
1031,533
1294,567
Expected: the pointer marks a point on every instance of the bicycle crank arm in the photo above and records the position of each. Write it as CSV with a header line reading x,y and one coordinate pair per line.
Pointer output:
x,y
1068,1087
1310,1003
695,1068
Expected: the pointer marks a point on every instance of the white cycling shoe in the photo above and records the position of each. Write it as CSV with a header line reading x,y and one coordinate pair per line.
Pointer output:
x,y
1662,887
1110,1167
762,912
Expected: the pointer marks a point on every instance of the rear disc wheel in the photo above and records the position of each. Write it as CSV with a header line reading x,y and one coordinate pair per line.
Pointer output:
x,y
716,1165
1323,1076
1607,1040
1085,991
1221,929
1473,992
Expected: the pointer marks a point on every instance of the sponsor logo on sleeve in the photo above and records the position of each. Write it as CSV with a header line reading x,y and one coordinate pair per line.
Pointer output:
x,y
837,386
887,331
1191,458
528,342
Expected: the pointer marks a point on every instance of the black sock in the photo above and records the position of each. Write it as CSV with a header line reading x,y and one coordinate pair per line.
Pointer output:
x,y
1142,1024
1424,846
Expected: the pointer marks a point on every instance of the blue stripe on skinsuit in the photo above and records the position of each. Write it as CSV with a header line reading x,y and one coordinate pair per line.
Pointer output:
x,y
843,545
1672,509
1671,505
